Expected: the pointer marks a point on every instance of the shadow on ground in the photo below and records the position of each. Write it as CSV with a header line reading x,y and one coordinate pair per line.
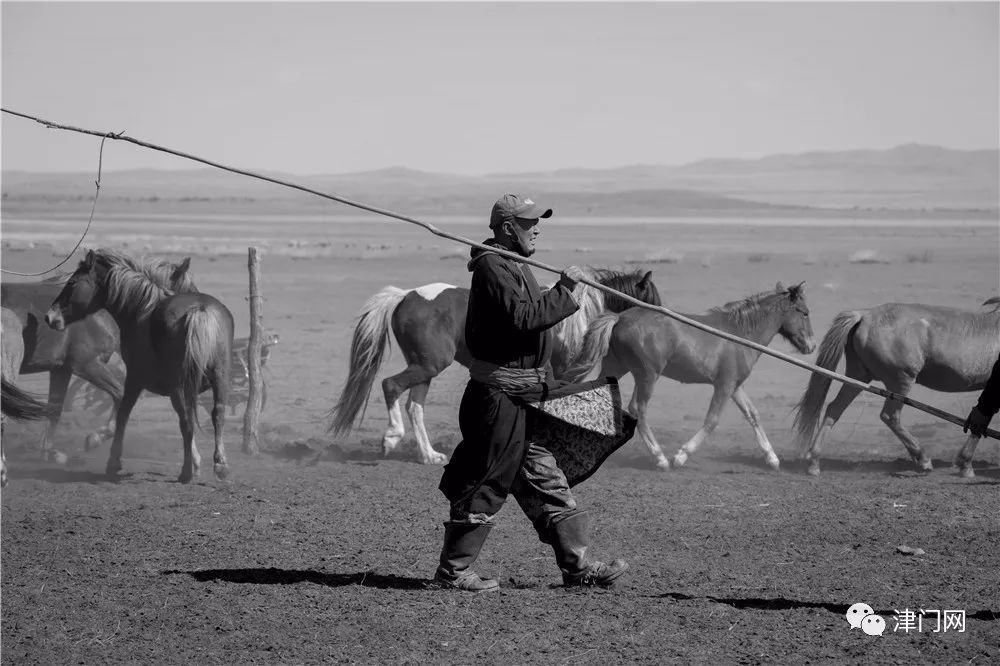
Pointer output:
x,y
274,576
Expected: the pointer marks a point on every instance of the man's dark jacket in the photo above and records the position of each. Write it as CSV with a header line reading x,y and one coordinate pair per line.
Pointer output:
x,y
507,324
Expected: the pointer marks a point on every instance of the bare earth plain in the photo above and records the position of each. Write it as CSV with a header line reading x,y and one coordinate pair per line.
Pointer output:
x,y
321,551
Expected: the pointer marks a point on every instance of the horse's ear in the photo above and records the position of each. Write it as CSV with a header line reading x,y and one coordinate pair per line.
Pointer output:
x,y
779,287
795,291
88,259
646,279
182,268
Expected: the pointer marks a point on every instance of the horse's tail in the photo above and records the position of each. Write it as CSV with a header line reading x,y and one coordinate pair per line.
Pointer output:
x,y
594,349
21,405
368,352
205,338
810,407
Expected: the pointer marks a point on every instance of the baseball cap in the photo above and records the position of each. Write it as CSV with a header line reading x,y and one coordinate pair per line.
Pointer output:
x,y
510,206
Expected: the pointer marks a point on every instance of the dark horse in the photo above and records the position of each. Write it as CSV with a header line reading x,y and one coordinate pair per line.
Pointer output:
x,y
83,348
898,344
429,325
14,402
651,344
173,344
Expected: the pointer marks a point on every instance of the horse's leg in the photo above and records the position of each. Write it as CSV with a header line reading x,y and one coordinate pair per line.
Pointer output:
x,y
394,433
415,410
964,458
101,376
130,395
393,388
220,466
711,421
845,396
890,415
185,414
742,401
58,384
645,381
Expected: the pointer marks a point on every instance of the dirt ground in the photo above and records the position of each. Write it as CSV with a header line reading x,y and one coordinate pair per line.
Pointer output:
x,y
319,551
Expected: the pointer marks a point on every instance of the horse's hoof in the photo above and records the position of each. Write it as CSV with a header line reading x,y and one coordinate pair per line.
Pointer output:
x,y
389,444
92,441
664,465
926,466
221,470
813,470
57,457
113,470
774,463
185,477
968,472
436,458
678,461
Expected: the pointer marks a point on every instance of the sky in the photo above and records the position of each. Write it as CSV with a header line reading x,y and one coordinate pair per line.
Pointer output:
x,y
477,88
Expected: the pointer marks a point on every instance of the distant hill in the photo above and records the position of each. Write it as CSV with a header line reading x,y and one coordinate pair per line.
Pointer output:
x,y
910,177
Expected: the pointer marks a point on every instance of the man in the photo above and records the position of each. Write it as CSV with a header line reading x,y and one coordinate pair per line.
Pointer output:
x,y
988,404
507,333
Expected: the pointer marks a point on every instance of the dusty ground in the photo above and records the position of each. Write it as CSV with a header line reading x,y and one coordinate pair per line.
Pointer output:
x,y
293,562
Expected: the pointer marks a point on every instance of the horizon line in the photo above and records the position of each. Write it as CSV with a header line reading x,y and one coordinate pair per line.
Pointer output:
x,y
392,167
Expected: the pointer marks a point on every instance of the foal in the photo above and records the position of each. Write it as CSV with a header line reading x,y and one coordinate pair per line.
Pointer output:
x,y
173,344
651,344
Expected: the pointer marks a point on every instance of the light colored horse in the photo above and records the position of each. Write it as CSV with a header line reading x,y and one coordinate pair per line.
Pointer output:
x,y
429,325
15,403
943,348
650,345
173,344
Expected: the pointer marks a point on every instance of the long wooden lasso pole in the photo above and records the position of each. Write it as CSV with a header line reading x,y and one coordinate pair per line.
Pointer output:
x,y
121,136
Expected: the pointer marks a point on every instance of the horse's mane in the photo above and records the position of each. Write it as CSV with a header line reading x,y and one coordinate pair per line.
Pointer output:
x,y
138,285
623,281
747,312
594,302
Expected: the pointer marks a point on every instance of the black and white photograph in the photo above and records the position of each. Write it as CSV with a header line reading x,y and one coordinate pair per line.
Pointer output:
x,y
455,332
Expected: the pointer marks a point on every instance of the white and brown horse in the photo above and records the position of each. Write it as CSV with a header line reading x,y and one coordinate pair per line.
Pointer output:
x,y
943,348
429,325
651,344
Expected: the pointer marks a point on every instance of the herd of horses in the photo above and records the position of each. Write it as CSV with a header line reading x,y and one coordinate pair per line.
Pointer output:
x,y
176,341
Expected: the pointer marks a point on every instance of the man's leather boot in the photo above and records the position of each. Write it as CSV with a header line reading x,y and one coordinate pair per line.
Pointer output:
x,y
462,543
569,538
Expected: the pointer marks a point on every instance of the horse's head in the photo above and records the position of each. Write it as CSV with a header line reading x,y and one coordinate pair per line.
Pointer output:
x,y
795,324
635,283
83,294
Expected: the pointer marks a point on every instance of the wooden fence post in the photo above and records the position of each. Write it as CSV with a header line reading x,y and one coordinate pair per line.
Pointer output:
x,y
251,417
